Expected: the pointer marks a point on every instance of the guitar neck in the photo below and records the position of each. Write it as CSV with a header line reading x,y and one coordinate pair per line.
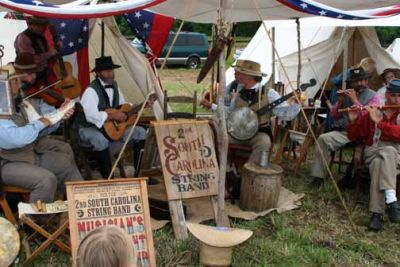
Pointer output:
x,y
272,105
134,110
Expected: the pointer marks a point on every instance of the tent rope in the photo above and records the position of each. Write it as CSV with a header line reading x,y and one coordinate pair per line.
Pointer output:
x,y
338,192
121,152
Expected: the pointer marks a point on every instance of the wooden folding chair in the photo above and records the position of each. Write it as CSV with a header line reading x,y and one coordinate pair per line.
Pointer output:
x,y
51,237
7,189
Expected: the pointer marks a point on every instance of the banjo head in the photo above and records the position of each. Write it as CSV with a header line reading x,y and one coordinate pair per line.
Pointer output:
x,y
9,242
242,123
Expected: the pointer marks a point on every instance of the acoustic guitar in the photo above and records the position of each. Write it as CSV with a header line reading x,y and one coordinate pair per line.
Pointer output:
x,y
115,130
69,85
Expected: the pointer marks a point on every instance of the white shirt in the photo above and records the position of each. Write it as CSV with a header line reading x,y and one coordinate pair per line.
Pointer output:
x,y
90,102
381,92
284,111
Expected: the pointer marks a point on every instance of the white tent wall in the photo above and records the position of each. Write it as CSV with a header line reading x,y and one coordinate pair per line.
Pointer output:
x,y
317,60
135,78
394,50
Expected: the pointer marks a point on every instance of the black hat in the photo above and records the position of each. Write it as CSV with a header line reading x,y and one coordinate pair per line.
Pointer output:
x,y
393,86
104,63
36,20
357,74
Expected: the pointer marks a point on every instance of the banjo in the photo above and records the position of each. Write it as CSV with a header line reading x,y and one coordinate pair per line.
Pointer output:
x,y
243,122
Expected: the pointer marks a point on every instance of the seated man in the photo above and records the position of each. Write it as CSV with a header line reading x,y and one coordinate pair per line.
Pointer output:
x,y
27,161
380,131
256,96
28,80
358,95
103,93
387,75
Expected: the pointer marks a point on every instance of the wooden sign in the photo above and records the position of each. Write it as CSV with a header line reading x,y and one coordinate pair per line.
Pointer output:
x,y
119,202
188,158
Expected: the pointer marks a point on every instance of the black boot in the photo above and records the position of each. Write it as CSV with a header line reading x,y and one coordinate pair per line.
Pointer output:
x,y
393,212
103,162
375,221
137,147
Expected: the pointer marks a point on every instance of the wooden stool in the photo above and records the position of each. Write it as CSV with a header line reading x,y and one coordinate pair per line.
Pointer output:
x,y
5,189
51,238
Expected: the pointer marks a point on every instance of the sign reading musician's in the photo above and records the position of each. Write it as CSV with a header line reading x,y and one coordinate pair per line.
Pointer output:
x,y
118,202
188,158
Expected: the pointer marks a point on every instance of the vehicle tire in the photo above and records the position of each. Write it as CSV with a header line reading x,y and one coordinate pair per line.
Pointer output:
x,y
193,63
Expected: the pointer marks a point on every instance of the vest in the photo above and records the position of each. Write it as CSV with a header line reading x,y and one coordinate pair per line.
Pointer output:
x,y
241,101
23,154
364,97
104,102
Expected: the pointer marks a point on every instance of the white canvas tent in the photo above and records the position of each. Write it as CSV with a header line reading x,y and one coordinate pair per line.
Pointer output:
x,y
321,50
394,50
136,78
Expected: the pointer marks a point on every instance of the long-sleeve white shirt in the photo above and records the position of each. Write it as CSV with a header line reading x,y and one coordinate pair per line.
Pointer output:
x,y
90,102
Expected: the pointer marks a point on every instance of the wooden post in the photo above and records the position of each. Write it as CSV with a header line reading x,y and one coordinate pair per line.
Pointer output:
x,y
273,57
222,132
102,38
345,62
298,53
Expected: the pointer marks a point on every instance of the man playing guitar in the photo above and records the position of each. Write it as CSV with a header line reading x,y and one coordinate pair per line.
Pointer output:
x,y
255,96
103,93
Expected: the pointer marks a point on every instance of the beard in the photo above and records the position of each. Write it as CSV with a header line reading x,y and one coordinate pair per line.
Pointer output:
x,y
107,80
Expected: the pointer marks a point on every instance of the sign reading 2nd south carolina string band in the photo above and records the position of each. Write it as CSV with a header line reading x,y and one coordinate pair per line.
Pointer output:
x,y
188,159
119,202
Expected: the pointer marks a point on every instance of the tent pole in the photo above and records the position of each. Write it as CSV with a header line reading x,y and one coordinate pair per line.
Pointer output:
x,y
222,133
345,62
298,53
102,38
273,80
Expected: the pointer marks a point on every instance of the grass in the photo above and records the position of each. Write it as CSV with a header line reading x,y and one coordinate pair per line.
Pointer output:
x,y
316,234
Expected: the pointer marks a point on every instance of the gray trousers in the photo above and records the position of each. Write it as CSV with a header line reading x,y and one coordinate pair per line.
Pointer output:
x,y
382,161
259,143
52,168
328,142
94,137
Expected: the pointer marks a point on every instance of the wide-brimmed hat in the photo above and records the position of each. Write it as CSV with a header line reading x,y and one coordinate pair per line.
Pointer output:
x,y
249,67
357,74
36,20
368,64
393,86
25,62
216,242
394,70
104,63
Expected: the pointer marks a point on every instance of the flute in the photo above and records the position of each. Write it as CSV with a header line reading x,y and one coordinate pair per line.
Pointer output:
x,y
364,107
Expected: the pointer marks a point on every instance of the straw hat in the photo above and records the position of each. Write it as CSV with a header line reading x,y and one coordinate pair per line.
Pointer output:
x,y
249,67
216,242
368,64
9,242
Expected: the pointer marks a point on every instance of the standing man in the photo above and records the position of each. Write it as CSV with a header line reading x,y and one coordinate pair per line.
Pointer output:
x,y
33,41
358,95
104,93
256,96
386,76
379,130
27,159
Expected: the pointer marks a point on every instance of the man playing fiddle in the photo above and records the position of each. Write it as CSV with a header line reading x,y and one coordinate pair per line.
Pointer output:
x,y
29,160
357,95
379,130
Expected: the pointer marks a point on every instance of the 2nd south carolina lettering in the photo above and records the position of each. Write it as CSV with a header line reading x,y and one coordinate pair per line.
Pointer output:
x,y
111,206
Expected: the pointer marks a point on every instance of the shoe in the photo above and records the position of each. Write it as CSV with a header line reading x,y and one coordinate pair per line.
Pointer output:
x,y
375,221
393,212
316,182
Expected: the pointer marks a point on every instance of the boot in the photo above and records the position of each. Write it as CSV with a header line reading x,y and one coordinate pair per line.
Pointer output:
x,y
393,212
103,162
375,221
137,147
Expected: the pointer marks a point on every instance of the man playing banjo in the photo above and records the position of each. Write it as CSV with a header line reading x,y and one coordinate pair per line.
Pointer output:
x,y
255,96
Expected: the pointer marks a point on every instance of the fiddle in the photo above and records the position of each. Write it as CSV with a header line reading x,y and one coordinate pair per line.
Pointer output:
x,y
48,93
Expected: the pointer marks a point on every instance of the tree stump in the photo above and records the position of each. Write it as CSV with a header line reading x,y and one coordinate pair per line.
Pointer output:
x,y
260,187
